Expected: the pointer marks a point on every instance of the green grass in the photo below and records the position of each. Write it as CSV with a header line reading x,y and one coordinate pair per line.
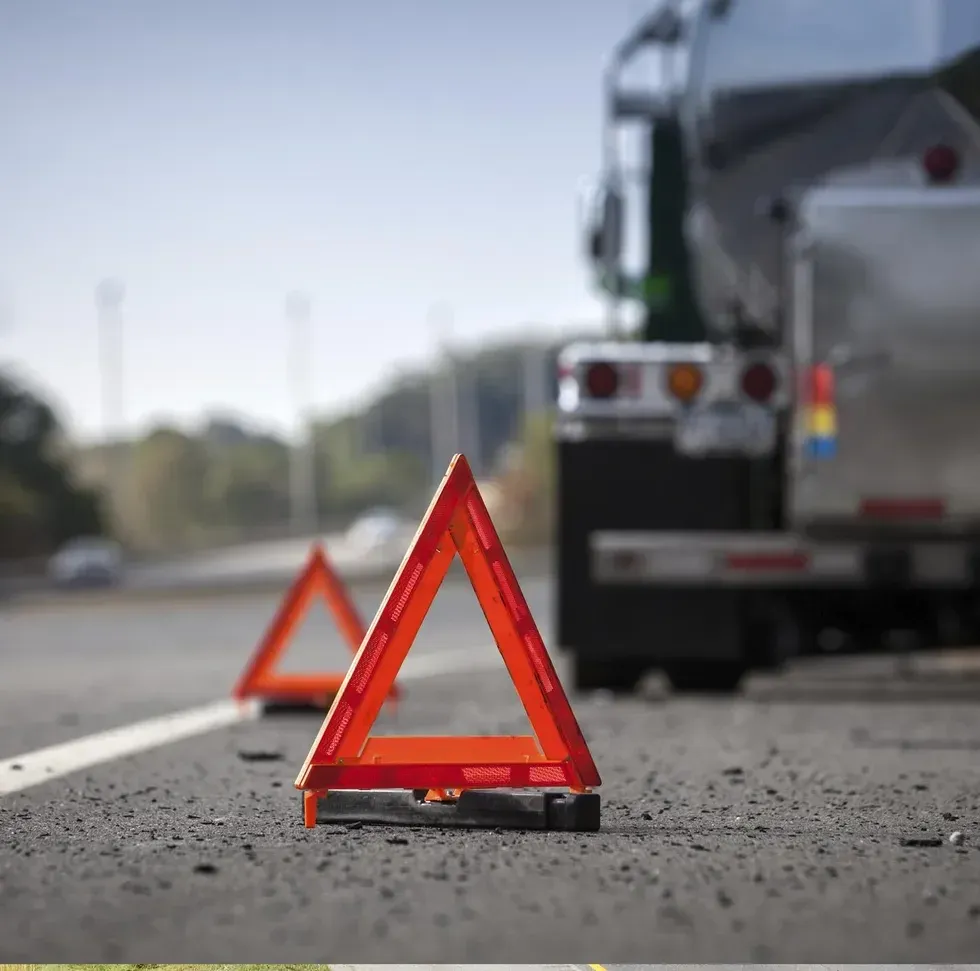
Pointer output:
x,y
164,967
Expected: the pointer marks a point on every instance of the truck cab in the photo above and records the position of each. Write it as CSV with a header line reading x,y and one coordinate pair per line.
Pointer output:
x,y
782,449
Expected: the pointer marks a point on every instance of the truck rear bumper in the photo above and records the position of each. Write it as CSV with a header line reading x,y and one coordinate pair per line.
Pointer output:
x,y
775,560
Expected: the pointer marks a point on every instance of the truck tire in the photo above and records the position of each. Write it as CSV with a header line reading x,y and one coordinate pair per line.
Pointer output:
x,y
619,675
706,676
773,634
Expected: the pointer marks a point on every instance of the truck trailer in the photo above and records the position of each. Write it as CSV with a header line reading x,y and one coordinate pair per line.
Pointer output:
x,y
776,452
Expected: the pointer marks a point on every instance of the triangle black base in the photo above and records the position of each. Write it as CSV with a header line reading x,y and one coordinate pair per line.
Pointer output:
x,y
475,809
284,708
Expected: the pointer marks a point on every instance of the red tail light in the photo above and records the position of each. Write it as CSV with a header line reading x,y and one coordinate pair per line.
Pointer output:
x,y
601,380
941,163
759,382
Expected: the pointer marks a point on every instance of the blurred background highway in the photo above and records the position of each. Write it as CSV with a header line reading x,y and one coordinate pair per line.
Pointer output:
x,y
171,532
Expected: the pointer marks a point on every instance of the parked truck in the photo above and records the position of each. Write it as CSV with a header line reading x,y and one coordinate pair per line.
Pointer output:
x,y
779,453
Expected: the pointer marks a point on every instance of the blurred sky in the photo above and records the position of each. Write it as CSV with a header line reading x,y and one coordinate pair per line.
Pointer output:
x,y
215,154
385,156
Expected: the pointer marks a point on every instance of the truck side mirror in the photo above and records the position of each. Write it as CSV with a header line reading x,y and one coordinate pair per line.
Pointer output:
x,y
595,244
605,235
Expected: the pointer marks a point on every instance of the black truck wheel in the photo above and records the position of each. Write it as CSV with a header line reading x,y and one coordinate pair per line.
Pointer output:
x,y
620,675
768,633
706,676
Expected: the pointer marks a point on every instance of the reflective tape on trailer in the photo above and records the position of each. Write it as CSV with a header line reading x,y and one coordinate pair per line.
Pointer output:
x,y
747,559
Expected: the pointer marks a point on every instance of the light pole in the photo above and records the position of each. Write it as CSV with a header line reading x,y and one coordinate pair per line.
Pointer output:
x,y
443,393
109,296
302,454
535,381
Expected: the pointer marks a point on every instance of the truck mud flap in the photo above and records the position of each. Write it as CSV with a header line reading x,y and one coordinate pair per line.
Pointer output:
x,y
633,485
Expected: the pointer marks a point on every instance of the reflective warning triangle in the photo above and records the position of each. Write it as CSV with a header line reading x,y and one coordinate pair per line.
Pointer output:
x,y
260,680
343,755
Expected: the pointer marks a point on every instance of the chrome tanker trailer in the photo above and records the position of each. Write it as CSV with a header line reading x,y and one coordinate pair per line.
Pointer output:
x,y
777,451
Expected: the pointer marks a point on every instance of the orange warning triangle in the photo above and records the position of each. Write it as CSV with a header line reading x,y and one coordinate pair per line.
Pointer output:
x,y
260,680
344,757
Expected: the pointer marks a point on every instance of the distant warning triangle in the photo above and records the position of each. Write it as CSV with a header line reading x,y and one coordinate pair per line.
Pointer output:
x,y
344,757
260,680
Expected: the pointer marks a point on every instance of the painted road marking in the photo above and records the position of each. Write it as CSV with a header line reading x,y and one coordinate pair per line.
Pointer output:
x,y
33,768
24,771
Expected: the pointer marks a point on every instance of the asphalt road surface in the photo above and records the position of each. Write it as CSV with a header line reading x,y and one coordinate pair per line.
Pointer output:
x,y
809,820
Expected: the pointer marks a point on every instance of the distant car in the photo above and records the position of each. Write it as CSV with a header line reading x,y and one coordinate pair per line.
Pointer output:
x,y
86,562
374,530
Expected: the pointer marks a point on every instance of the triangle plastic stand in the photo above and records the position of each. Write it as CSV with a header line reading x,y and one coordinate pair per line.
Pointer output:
x,y
260,680
445,769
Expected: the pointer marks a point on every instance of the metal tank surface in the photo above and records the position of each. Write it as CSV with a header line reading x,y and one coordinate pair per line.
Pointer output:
x,y
781,94
888,292
807,123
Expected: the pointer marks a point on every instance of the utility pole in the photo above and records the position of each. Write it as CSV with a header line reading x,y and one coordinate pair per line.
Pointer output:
x,y
109,296
443,393
536,395
470,441
302,454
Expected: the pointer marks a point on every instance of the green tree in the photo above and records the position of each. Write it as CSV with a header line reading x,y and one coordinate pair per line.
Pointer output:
x,y
41,505
353,480
168,470
247,485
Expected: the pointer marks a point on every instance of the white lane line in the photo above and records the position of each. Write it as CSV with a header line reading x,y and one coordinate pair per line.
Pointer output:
x,y
33,768
24,771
